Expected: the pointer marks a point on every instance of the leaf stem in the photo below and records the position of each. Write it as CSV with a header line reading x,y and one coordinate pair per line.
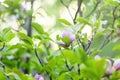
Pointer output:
x,y
78,10
50,77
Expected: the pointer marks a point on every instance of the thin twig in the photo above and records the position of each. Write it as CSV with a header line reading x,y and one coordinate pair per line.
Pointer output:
x,y
96,5
79,41
69,69
107,37
106,40
50,77
78,9
38,57
80,4
78,69
66,63
74,19
67,6
69,12
63,3
90,44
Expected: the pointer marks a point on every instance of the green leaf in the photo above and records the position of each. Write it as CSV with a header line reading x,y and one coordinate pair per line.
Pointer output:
x,y
115,76
94,69
28,46
25,38
98,40
1,39
82,54
95,52
97,24
74,75
71,56
112,2
58,37
9,62
18,45
7,35
43,41
18,75
66,40
89,73
64,76
84,21
38,28
5,30
52,63
2,75
15,76
116,47
47,68
64,21
36,65
59,59
111,49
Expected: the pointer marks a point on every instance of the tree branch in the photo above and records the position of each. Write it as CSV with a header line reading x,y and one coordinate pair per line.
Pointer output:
x,y
69,69
90,44
67,6
80,4
28,21
50,77
38,57
78,10
79,41
27,24
105,41
78,69
66,63
96,5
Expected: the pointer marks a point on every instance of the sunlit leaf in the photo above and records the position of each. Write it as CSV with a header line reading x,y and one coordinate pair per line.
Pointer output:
x,y
43,41
64,76
64,21
112,2
2,75
7,34
84,21
25,38
117,47
72,57
38,28
66,40
82,54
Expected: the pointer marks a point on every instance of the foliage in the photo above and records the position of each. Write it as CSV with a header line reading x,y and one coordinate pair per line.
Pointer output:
x,y
27,53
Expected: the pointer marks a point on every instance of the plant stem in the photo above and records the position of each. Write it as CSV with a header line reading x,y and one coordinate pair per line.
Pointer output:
x,y
50,77
78,10
38,57
105,41
96,5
